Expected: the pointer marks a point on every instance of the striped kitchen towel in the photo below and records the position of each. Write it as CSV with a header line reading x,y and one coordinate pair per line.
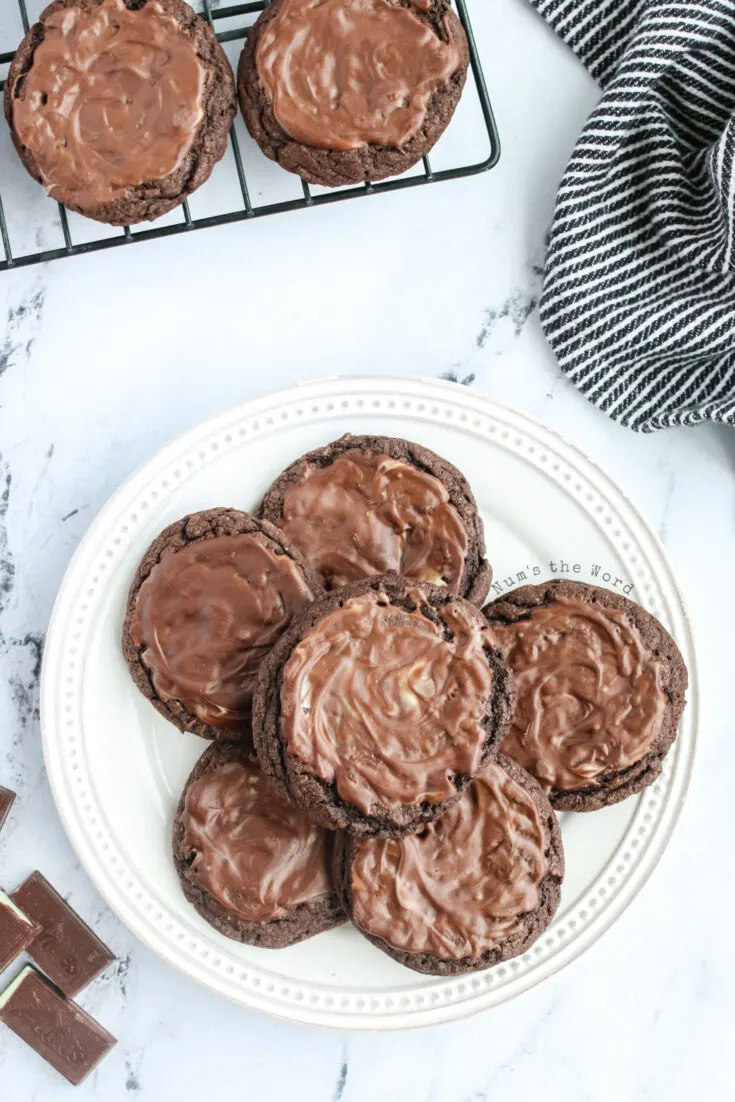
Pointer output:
x,y
639,294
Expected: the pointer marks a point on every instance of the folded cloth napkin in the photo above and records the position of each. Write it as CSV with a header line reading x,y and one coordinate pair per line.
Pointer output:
x,y
639,294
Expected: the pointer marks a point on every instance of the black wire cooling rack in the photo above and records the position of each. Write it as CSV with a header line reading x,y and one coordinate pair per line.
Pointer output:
x,y
25,216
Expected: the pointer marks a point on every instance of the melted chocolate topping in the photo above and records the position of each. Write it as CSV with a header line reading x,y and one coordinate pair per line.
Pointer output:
x,y
366,514
343,74
458,887
386,705
255,854
207,615
113,99
590,695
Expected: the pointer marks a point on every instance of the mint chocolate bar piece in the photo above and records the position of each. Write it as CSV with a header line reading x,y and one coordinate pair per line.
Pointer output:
x,y
7,799
17,930
57,1029
68,951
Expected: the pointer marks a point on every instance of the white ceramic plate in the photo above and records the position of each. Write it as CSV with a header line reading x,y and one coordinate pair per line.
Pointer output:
x,y
117,768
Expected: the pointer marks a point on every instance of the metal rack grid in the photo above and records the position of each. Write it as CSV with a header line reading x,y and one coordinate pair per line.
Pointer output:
x,y
250,209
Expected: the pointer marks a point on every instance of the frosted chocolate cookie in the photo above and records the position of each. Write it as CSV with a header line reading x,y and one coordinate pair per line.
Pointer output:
x,y
120,108
351,90
212,595
368,505
600,685
253,866
477,887
380,704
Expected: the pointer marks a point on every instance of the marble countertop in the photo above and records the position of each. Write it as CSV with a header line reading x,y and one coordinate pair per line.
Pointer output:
x,y
104,358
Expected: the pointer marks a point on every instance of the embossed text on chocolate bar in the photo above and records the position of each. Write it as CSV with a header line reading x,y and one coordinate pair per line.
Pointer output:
x,y
54,1027
68,951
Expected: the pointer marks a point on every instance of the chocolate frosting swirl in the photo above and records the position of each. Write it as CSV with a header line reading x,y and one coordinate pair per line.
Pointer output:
x,y
366,514
591,699
113,99
457,888
206,616
254,853
387,704
343,74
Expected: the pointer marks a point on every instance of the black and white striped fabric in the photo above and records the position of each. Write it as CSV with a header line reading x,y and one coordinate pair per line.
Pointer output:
x,y
639,295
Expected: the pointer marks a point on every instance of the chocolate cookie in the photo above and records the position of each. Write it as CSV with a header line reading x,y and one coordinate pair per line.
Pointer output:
x,y
213,593
381,702
120,108
477,887
351,90
368,505
601,688
251,864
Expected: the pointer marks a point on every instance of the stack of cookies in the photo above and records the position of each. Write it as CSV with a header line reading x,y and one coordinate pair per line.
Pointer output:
x,y
384,749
